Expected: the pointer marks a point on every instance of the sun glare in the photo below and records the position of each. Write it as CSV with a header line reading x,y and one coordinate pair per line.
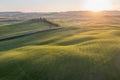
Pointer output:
x,y
97,5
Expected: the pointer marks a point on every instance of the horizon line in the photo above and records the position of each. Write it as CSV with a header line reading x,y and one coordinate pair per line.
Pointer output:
x,y
60,11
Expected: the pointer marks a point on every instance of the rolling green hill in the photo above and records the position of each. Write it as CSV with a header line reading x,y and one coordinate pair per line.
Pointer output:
x,y
72,53
23,27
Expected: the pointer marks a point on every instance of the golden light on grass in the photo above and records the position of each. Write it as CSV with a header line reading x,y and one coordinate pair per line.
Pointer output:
x,y
97,5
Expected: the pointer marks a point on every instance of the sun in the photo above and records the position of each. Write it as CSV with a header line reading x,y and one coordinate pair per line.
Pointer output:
x,y
97,5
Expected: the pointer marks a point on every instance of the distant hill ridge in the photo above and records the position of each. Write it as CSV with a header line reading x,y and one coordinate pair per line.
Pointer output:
x,y
31,15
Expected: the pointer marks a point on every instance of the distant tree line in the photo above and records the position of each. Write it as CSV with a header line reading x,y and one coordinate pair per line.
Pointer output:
x,y
46,21
49,22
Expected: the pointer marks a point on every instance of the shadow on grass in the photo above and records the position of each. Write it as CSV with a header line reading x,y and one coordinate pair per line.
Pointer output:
x,y
55,65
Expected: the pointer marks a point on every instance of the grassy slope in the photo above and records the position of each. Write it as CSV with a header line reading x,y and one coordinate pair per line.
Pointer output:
x,y
67,54
21,28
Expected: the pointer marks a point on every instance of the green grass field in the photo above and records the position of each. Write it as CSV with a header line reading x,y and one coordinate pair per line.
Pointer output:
x,y
71,53
21,28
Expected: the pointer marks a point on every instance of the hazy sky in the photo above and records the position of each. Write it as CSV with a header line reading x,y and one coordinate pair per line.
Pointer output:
x,y
48,5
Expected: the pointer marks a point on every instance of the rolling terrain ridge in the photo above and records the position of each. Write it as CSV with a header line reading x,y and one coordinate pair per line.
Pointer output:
x,y
71,53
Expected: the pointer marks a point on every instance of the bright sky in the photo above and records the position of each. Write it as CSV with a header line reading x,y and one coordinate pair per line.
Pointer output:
x,y
51,5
